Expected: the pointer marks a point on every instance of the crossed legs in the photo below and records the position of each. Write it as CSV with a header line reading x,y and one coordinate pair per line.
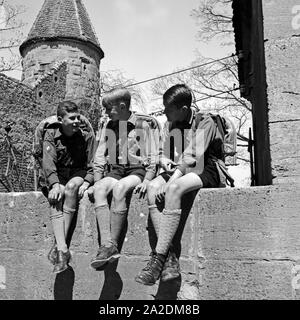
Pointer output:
x,y
167,222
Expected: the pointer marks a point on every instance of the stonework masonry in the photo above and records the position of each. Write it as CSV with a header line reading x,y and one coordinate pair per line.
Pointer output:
x,y
61,60
282,47
83,65
243,246
23,107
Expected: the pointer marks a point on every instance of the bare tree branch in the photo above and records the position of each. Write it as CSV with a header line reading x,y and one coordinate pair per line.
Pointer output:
x,y
11,35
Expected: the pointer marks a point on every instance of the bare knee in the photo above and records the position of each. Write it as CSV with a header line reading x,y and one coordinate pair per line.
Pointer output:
x,y
71,189
153,187
101,190
119,191
174,191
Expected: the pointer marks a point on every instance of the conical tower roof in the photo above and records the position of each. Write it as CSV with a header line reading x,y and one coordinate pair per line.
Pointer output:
x,y
62,19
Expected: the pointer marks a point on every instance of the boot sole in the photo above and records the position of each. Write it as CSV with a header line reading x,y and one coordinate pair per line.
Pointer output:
x,y
169,278
99,263
139,280
60,271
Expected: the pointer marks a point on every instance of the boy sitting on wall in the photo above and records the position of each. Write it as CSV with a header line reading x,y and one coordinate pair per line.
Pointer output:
x,y
129,146
67,164
199,146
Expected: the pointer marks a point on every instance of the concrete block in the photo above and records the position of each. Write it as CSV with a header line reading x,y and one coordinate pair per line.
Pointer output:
x,y
244,280
280,18
238,244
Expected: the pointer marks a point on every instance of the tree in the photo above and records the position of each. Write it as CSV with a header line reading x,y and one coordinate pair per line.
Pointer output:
x,y
214,82
116,78
214,19
10,35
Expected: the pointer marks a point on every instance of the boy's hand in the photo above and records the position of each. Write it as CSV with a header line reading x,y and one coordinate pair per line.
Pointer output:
x,y
82,189
160,194
141,188
167,164
55,194
90,193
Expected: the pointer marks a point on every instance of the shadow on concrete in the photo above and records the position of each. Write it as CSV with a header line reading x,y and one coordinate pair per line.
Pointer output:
x,y
63,285
113,284
168,290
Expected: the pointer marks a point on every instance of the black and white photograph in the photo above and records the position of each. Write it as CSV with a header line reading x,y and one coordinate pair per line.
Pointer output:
x,y
149,150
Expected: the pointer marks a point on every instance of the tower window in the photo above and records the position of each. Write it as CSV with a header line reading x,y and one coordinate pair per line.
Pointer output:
x,y
84,63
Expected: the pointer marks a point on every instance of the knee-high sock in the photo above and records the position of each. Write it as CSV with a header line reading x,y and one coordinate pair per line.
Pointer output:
x,y
57,220
118,220
168,225
103,220
68,217
155,216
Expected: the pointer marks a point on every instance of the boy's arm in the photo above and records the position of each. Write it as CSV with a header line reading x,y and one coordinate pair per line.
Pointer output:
x,y
99,161
151,144
201,137
50,159
90,157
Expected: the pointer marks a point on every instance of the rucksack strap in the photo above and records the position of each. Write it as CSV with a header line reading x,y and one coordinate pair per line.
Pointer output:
x,y
217,119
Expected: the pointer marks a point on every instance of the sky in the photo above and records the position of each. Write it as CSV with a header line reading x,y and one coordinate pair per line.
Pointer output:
x,y
142,38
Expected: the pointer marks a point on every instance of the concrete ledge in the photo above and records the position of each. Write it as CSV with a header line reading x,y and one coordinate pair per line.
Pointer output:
x,y
237,244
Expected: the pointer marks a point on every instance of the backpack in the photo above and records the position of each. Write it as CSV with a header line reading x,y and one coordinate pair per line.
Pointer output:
x,y
154,125
39,134
228,133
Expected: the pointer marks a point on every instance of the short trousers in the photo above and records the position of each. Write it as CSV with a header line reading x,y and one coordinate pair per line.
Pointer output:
x,y
119,171
64,176
209,176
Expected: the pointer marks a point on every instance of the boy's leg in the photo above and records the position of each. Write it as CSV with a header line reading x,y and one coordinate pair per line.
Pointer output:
x,y
168,225
171,269
154,213
102,189
57,220
171,214
71,201
119,213
62,255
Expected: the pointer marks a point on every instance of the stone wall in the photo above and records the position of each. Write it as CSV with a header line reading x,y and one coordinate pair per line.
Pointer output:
x,y
237,244
23,107
51,89
282,45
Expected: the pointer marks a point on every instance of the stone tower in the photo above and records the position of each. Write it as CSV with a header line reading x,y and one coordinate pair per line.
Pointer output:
x,y
62,32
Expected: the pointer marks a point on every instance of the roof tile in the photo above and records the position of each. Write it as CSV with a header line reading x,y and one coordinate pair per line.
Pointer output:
x,y
62,18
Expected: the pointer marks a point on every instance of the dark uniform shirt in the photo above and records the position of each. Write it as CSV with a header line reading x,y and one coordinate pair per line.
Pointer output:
x,y
61,152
